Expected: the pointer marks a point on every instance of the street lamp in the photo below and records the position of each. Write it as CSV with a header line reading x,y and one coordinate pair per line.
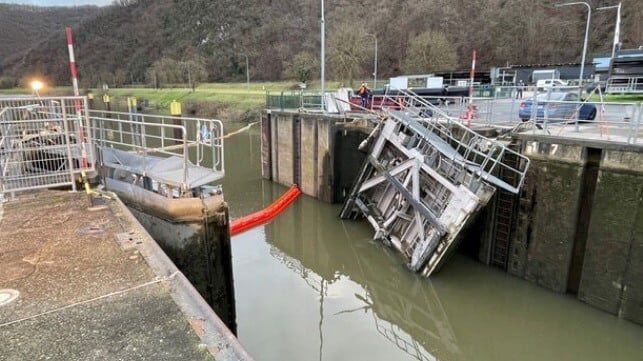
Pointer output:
x,y
323,54
374,62
36,85
247,73
582,62
617,27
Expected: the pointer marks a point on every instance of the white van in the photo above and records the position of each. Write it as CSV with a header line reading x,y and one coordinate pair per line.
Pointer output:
x,y
549,83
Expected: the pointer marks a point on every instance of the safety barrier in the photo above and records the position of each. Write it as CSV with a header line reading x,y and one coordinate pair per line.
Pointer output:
x,y
625,84
241,224
500,106
581,118
44,142
294,100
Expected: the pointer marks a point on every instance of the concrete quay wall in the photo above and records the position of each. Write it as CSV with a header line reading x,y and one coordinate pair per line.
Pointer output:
x,y
547,215
579,226
613,266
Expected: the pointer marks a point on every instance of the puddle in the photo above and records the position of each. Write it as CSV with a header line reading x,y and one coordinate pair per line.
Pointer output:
x,y
7,296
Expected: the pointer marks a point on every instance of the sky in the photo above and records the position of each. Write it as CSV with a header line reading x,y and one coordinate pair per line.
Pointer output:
x,y
58,2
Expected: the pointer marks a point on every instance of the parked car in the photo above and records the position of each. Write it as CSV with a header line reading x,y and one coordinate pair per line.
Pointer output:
x,y
549,83
560,106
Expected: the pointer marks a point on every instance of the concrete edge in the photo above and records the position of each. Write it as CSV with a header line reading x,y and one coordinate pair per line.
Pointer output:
x,y
219,340
591,143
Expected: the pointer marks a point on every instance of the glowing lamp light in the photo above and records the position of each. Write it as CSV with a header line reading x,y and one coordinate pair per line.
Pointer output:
x,y
36,85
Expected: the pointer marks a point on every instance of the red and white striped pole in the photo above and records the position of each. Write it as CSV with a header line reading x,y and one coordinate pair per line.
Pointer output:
x,y
74,80
473,72
469,113
72,62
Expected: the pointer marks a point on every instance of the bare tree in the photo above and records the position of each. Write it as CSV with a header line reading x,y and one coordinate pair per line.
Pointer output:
x,y
348,52
303,66
430,51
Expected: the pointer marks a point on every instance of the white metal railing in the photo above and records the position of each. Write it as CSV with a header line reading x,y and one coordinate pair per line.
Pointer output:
x,y
625,84
484,156
615,122
43,142
197,143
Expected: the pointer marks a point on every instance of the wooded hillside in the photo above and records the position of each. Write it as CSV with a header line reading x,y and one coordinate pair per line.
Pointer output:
x,y
159,42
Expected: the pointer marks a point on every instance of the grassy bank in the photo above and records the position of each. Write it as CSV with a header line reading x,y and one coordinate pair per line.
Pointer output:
x,y
618,98
225,101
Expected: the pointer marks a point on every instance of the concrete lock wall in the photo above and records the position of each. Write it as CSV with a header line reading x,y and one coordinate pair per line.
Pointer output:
x,y
580,224
612,277
317,134
282,150
301,150
547,215
202,251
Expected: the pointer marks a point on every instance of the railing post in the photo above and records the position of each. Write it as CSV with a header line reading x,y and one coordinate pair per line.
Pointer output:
x,y
185,160
634,133
70,159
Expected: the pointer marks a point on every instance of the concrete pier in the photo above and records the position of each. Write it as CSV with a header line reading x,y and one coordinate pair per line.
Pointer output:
x,y
315,151
91,284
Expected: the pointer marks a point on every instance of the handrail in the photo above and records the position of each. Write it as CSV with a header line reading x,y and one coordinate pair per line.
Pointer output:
x,y
483,156
624,84
165,136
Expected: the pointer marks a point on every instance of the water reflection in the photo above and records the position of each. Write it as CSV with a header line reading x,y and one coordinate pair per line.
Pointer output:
x,y
310,286
408,315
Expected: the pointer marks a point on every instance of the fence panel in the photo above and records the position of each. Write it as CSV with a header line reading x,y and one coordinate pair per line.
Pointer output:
x,y
43,142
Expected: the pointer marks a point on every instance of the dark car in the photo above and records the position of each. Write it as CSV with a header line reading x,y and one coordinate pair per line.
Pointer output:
x,y
558,106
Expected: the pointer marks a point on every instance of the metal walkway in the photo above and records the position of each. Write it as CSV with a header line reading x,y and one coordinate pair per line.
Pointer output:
x,y
180,153
425,177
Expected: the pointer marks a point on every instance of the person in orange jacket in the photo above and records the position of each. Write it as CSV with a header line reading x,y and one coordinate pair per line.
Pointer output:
x,y
363,92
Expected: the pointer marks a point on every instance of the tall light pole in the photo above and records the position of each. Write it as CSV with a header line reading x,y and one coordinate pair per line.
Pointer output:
x,y
617,28
374,62
323,55
247,73
582,62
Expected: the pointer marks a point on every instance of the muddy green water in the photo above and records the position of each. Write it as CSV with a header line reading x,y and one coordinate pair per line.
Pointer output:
x,y
310,286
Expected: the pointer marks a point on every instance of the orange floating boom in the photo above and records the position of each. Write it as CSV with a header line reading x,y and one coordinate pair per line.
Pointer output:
x,y
262,216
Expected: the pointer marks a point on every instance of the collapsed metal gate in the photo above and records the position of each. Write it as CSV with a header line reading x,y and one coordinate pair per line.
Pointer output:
x,y
425,177
44,143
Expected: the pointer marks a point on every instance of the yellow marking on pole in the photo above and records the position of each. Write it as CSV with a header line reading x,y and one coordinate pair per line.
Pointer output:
x,y
88,190
175,108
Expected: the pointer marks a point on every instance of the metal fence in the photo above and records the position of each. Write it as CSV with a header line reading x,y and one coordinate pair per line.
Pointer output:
x,y
625,84
294,100
552,113
618,122
44,142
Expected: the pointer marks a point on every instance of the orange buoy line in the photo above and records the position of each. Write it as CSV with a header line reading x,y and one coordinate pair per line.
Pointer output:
x,y
262,216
